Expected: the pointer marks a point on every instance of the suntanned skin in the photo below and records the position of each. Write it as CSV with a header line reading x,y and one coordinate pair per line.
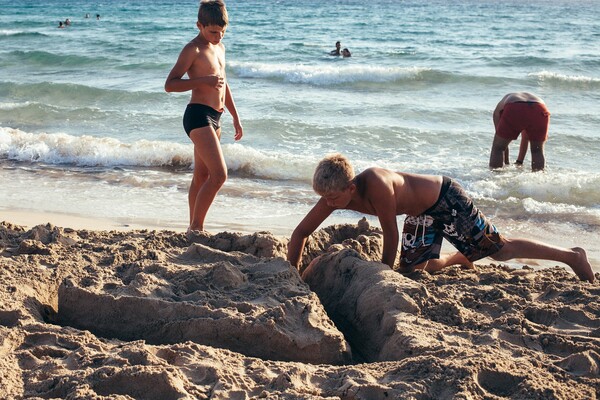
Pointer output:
x,y
388,194
499,153
203,60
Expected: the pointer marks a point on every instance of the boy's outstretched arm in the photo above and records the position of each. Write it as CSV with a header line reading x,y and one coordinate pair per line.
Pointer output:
x,y
523,147
230,104
384,202
311,221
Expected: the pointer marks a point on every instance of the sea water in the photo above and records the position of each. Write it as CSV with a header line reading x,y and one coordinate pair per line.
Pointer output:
x,y
87,129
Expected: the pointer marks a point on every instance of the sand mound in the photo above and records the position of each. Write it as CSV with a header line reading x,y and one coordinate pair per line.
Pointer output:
x,y
151,315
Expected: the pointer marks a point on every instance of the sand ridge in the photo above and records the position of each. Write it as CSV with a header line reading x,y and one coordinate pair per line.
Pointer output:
x,y
153,315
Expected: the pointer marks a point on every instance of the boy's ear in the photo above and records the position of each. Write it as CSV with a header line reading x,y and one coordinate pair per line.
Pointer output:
x,y
199,25
352,187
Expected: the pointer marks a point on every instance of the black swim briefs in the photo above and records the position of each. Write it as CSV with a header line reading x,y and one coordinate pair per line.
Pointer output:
x,y
200,115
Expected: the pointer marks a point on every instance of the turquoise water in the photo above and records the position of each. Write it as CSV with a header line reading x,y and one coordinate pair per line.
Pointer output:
x,y
86,127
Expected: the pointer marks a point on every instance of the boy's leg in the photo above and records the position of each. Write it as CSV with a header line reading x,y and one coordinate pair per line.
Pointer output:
x,y
576,258
499,146
210,172
200,175
538,161
421,244
434,265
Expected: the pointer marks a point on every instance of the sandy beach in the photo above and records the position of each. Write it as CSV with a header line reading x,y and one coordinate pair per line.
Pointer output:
x,y
149,314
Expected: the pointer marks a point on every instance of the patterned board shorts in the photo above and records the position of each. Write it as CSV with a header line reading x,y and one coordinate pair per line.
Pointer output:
x,y
454,217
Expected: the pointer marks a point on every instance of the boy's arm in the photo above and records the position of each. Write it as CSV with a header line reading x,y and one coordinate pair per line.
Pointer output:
x,y
230,104
311,221
382,197
175,83
523,148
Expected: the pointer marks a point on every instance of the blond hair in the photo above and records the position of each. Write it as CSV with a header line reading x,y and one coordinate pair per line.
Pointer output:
x,y
333,174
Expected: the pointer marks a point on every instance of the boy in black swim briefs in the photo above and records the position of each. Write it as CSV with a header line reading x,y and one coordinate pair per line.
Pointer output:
x,y
199,116
203,60
436,207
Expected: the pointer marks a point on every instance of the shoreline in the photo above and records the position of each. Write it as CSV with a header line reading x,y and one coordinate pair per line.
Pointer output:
x,y
29,219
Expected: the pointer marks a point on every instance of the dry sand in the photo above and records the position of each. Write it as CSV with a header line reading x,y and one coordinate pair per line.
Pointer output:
x,y
150,315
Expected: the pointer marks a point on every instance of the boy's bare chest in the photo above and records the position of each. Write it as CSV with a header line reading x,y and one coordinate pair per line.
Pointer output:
x,y
209,62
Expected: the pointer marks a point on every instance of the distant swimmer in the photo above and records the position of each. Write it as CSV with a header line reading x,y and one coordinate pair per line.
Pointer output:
x,y
67,22
520,113
97,16
87,15
346,53
336,51
60,24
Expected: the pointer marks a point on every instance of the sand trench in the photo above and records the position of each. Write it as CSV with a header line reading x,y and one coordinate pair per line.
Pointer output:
x,y
113,314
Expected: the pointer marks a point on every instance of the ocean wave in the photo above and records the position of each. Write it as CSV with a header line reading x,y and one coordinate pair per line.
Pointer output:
x,y
332,74
49,59
19,33
90,151
523,60
60,149
329,74
566,80
59,94
554,189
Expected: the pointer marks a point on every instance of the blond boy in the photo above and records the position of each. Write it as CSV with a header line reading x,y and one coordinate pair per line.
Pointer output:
x,y
436,207
203,60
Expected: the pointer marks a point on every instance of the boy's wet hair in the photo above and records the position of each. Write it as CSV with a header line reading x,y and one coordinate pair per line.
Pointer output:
x,y
213,12
333,174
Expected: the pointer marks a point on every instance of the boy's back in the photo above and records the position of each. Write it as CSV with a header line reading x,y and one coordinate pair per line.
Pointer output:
x,y
412,194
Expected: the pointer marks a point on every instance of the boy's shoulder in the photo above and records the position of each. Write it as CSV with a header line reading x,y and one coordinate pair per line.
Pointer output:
x,y
377,173
375,178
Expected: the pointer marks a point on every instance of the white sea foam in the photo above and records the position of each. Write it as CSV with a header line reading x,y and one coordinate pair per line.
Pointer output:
x,y
562,78
60,148
90,151
319,74
268,165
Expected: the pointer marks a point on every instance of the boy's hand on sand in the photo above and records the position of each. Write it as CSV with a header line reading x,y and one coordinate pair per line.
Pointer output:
x,y
239,131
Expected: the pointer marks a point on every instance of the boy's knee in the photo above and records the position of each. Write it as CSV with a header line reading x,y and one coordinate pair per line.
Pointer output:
x,y
200,176
218,178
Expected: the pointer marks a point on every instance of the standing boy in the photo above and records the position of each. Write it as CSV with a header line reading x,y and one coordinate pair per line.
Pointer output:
x,y
436,207
517,113
203,59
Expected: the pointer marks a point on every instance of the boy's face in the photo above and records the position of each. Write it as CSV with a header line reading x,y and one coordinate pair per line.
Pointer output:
x,y
212,33
340,199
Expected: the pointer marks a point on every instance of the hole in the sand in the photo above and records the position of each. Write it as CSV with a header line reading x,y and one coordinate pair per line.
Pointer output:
x,y
9,319
49,315
498,383
541,316
136,385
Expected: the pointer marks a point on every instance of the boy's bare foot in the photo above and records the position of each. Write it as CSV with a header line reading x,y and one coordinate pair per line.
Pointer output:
x,y
581,266
195,236
467,265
